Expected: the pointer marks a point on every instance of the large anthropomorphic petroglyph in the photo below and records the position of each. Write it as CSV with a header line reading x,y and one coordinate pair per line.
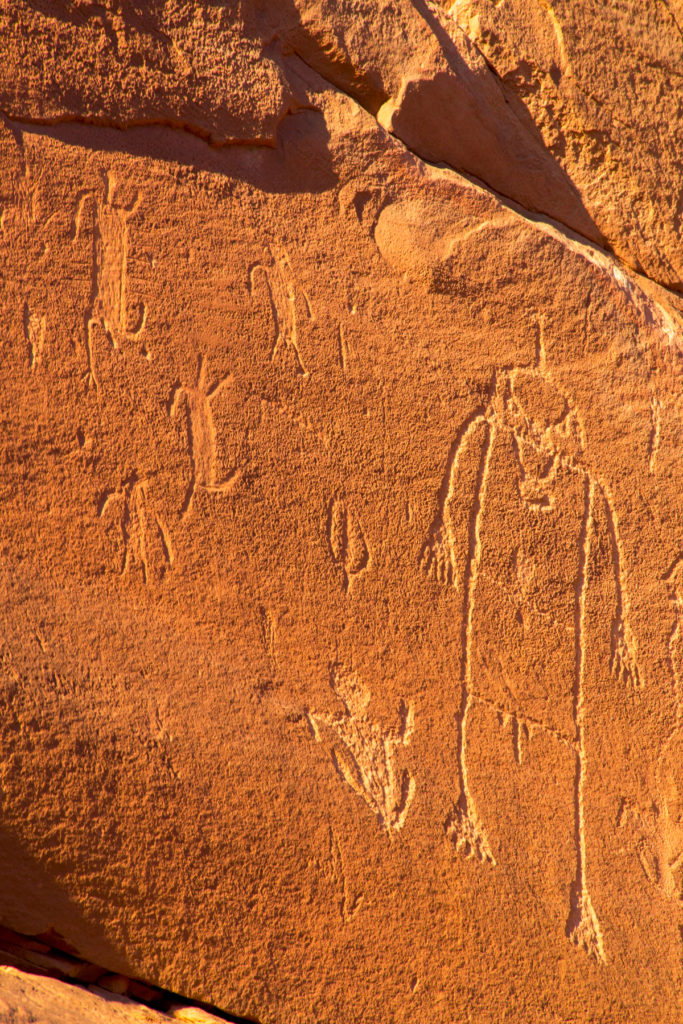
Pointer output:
x,y
523,450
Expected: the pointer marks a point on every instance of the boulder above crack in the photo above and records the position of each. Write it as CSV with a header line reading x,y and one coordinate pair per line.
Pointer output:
x,y
190,66
510,95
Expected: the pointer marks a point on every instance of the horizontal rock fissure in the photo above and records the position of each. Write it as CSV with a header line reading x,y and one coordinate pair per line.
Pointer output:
x,y
195,131
49,955
183,127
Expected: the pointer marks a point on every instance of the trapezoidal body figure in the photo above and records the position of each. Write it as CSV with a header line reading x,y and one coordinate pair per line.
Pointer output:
x,y
528,537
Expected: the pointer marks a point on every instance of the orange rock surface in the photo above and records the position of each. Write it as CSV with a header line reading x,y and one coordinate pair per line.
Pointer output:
x,y
342,536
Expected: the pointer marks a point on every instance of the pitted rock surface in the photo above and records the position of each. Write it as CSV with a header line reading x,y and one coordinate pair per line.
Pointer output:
x,y
341,539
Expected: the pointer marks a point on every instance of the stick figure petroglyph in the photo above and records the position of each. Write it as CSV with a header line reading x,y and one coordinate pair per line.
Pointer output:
x,y
364,754
201,434
528,421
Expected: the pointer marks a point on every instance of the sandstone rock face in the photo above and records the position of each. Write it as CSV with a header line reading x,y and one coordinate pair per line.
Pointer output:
x,y
342,537
602,84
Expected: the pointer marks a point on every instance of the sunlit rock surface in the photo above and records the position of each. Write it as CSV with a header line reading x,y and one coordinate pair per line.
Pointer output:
x,y
341,537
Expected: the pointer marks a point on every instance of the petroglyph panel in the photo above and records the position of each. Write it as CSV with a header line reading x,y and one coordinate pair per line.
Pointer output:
x,y
340,546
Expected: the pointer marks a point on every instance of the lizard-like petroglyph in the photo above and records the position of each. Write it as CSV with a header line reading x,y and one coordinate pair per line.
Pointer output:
x,y
108,305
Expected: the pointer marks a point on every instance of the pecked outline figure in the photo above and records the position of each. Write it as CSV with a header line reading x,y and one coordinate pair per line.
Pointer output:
x,y
364,754
544,444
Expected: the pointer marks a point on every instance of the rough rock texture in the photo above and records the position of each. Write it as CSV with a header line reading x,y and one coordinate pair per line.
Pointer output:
x,y
341,537
602,83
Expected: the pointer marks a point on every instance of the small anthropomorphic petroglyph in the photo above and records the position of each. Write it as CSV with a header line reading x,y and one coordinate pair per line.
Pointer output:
x,y
528,422
276,280
144,537
364,754
347,541
201,434
108,305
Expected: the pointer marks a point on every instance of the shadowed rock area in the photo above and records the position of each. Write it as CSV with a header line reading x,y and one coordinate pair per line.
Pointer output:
x,y
341,546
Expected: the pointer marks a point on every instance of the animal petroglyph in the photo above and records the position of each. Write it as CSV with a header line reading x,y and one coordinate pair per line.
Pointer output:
x,y
364,754
108,305
144,538
34,333
528,414
278,283
201,434
347,541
